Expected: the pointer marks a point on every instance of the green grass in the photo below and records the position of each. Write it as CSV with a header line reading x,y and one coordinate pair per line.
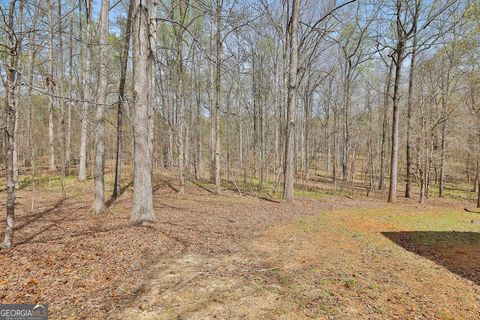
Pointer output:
x,y
45,181
426,220
379,310
429,227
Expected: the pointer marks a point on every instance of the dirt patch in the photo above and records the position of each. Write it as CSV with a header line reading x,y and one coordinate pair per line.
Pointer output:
x,y
315,267
197,286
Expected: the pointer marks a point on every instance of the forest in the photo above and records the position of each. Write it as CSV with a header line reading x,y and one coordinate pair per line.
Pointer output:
x,y
241,159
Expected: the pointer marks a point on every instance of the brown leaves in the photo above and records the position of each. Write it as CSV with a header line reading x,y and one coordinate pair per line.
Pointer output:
x,y
82,264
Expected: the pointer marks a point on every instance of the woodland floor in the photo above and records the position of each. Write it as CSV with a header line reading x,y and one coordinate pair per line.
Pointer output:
x,y
241,257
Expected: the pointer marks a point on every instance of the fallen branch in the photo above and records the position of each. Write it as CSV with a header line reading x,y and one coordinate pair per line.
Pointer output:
x,y
471,211
238,189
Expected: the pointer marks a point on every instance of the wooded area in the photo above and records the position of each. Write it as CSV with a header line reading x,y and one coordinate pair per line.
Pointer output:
x,y
369,94
260,98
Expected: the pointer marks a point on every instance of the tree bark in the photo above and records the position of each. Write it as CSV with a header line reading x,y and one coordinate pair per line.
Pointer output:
x,y
17,94
50,83
31,61
180,95
392,194
411,78
143,55
218,63
289,169
383,147
121,101
82,169
9,128
198,101
211,98
61,91
99,184
445,97
68,151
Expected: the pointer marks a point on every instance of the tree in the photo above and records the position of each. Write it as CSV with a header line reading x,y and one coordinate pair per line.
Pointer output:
x,y
218,64
86,81
143,66
99,187
289,174
403,33
50,84
121,101
10,49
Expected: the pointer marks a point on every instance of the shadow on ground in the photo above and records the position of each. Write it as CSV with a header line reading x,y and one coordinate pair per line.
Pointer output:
x,y
457,251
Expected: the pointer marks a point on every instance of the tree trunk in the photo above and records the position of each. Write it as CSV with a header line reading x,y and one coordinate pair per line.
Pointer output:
x,y
180,97
99,184
143,55
445,97
152,86
383,148
9,128
218,61
31,61
50,83
179,101
409,117
211,98
346,125
82,169
120,102
392,194
17,94
61,80
68,151
289,170
198,102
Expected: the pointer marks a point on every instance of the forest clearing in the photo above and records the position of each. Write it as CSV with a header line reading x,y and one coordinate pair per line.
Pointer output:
x,y
240,159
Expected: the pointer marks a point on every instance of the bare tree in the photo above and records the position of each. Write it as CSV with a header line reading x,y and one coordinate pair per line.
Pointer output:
x,y
86,77
218,64
289,172
121,101
50,84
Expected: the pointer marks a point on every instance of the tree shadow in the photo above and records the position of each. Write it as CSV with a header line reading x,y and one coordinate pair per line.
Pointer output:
x,y
31,218
115,197
164,183
31,239
202,187
457,251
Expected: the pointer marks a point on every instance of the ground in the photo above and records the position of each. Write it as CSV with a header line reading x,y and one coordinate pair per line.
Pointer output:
x,y
328,256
